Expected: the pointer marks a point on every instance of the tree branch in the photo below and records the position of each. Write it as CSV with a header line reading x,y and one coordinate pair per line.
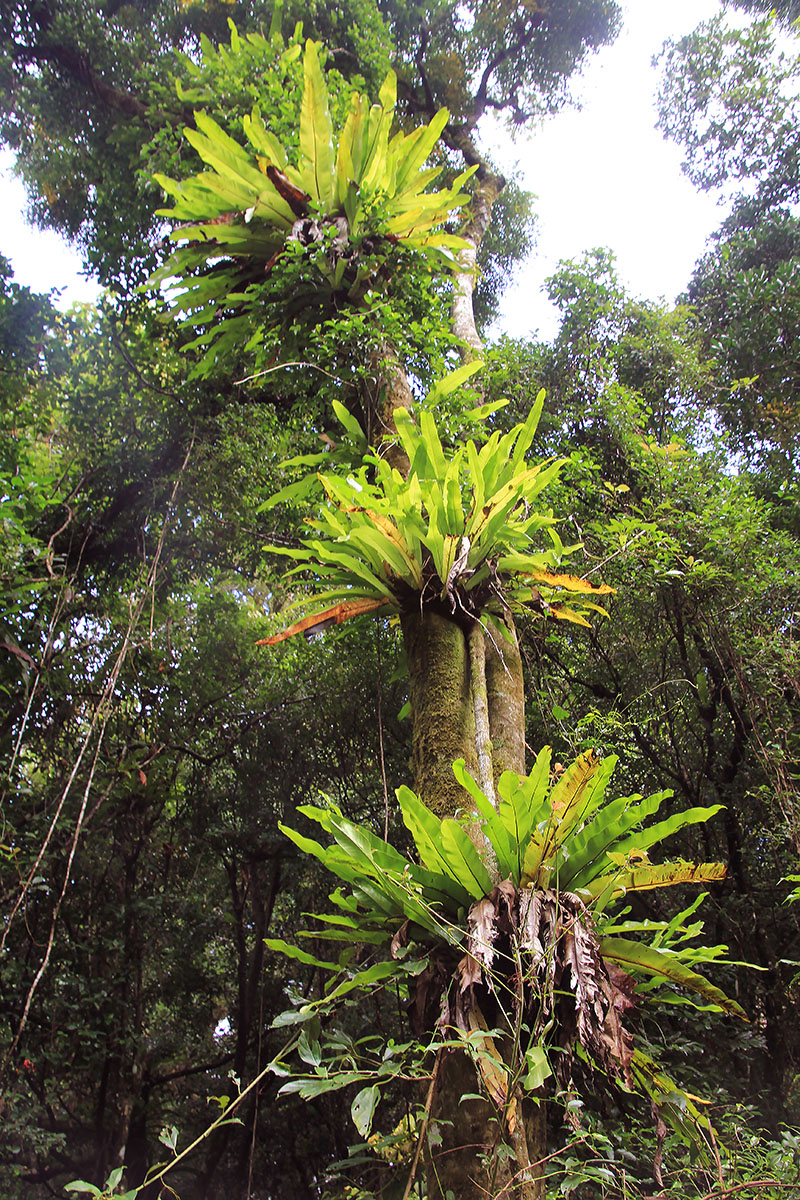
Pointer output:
x,y
78,67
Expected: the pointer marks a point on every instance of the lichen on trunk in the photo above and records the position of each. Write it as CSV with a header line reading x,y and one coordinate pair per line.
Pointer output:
x,y
488,187
505,693
388,389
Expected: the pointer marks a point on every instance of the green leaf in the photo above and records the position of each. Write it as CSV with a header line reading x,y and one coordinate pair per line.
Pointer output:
x,y
363,1108
426,830
378,973
263,141
281,947
539,1068
169,1137
453,380
504,846
527,431
637,956
316,132
432,443
275,35
308,1046
292,491
308,1089
664,829
486,410
522,804
220,151
462,860
416,148
348,421
588,847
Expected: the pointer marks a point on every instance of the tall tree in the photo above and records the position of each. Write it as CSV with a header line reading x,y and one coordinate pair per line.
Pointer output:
x,y
311,215
729,98
374,308
94,83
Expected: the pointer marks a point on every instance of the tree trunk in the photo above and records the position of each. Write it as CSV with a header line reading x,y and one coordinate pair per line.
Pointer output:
x,y
487,189
505,691
463,1158
442,711
388,390
451,699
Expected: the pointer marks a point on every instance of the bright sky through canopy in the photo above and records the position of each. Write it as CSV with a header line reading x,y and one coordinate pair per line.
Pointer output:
x,y
603,175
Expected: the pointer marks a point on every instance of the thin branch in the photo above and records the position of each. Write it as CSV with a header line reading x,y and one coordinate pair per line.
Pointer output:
x,y
510,51
54,916
424,1127
281,366
718,1194
147,384
380,737
79,68
158,1080
102,708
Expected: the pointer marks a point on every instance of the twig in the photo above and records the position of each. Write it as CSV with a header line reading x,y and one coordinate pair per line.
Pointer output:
x,y
127,359
621,550
223,1117
380,737
280,367
54,918
258,1091
100,715
424,1129
754,1183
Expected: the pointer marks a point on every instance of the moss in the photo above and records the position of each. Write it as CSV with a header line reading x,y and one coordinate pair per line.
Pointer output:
x,y
442,710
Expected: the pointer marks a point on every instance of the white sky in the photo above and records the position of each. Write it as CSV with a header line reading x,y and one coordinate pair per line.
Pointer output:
x,y
603,176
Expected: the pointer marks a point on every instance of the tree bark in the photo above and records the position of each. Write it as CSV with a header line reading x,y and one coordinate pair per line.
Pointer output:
x,y
487,189
388,391
505,691
442,711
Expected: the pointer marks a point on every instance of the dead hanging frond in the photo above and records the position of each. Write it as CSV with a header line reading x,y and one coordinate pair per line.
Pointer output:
x,y
549,940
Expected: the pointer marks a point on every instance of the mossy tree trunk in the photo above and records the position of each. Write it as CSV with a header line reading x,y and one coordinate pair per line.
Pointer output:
x,y
464,1159
445,682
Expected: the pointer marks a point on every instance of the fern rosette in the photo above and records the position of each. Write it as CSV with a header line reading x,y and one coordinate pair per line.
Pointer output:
x,y
456,532
344,210
541,953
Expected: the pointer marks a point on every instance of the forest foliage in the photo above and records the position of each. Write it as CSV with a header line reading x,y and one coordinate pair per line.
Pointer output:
x,y
157,952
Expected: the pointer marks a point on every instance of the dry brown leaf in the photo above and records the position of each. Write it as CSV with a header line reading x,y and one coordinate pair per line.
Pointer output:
x,y
491,1068
469,972
331,616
